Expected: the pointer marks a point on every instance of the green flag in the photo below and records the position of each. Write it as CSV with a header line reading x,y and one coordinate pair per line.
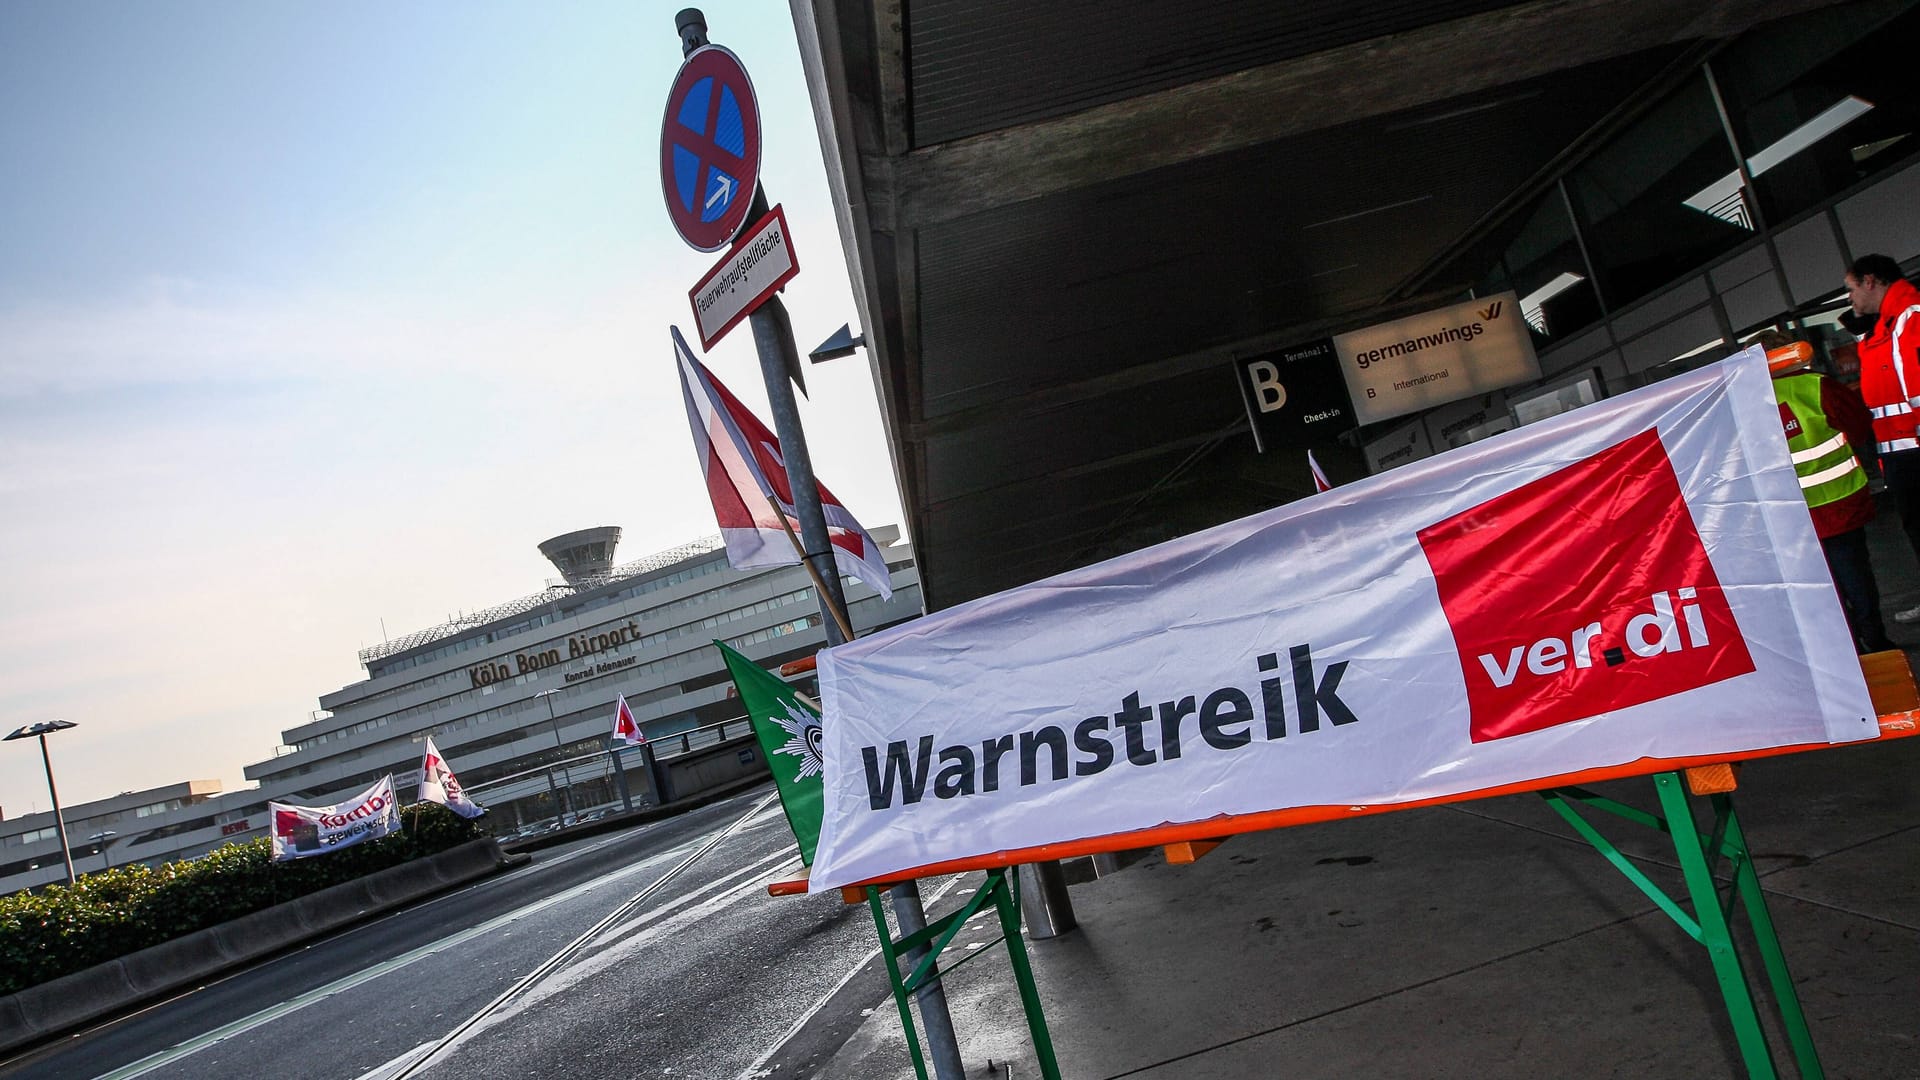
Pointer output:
x,y
789,734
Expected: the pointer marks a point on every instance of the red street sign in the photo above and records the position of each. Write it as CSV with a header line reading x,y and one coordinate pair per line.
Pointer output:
x,y
710,148
759,265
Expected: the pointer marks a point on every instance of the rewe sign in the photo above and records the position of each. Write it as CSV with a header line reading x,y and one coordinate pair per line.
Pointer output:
x,y
1635,579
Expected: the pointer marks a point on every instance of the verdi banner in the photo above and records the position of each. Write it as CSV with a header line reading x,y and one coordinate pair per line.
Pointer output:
x,y
1638,579
300,831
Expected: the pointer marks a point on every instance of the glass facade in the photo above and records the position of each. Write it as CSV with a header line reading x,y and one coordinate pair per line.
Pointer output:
x,y
1822,101
1648,203
1729,203
1542,263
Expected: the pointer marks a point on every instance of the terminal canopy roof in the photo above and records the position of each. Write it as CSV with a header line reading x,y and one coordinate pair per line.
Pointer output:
x,y
1064,219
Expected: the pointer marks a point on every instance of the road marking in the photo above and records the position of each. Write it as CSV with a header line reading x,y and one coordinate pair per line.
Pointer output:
x,y
221,1034
392,1068
754,1071
554,963
640,931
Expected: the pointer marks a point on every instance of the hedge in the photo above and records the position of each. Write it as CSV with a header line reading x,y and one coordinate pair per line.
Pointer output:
x,y
59,929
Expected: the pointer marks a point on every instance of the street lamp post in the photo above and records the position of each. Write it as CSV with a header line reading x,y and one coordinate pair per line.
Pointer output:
x,y
40,730
100,838
562,746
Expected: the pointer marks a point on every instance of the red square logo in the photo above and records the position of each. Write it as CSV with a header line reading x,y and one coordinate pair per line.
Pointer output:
x,y
1583,592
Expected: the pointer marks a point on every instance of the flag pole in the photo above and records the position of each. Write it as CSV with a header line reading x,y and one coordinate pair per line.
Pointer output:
x,y
828,600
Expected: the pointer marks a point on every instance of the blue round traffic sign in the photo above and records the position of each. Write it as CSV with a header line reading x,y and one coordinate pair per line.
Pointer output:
x,y
710,148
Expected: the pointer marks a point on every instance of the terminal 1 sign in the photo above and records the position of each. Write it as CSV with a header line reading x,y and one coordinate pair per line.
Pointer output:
x,y
1295,396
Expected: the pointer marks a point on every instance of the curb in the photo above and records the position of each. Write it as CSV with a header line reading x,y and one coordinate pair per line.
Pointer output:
x,y
59,1005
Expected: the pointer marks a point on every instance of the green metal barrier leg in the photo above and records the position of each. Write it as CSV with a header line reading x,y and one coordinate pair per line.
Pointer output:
x,y
1786,997
899,986
1007,902
1714,933
1001,889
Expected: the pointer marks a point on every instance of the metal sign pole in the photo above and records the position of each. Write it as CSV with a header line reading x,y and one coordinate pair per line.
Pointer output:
x,y
620,776
780,360
773,337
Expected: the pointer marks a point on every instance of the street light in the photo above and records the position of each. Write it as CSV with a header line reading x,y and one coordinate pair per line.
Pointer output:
x,y
41,729
106,861
564,771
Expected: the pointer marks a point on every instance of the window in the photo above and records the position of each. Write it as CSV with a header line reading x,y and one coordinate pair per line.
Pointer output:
x,y
1821,101
1542,265
1640,199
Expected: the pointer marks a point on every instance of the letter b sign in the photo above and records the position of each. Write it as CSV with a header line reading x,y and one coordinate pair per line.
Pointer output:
x,y
1264,377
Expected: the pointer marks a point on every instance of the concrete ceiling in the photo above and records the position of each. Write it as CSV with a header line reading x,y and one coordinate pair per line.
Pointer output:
x,y
1064,219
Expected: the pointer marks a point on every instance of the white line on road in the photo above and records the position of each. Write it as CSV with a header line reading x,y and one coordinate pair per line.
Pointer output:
x,y
553,963
639,932
392,1068
673,914
264,1016
753,1071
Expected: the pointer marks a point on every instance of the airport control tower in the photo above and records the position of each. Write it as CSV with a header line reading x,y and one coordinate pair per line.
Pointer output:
x,y
583,557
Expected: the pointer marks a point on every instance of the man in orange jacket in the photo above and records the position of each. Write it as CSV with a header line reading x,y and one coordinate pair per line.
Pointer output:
x,y
1886,306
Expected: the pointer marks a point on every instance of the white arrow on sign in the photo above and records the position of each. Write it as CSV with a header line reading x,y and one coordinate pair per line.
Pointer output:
x,y
722,189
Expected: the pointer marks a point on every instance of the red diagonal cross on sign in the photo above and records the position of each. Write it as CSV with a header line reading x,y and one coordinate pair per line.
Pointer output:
x,y
702,144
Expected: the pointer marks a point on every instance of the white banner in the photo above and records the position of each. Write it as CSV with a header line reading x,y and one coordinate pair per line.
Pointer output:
x,y
1636,579
300,831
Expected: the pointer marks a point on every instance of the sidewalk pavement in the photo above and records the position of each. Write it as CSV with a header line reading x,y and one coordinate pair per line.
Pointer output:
x,y
1481,940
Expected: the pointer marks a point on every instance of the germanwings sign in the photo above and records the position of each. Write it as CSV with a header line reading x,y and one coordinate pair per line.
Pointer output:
x,y
1636,579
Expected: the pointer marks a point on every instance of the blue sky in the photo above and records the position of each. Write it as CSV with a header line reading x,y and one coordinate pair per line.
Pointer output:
x,y
318,316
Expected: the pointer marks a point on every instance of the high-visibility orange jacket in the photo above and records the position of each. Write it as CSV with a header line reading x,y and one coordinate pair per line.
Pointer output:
x,y
1890,370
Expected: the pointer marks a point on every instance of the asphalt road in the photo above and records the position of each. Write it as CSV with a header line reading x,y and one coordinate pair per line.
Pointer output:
x,y
704,978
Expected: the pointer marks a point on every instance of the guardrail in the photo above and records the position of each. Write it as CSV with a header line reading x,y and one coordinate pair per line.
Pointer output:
x,y
590,786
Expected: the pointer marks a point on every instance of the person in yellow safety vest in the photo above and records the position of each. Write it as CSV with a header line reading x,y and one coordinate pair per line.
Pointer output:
x,y
1824,421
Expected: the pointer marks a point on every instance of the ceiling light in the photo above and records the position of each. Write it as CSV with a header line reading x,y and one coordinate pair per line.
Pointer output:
x,y
1723,199
1530,304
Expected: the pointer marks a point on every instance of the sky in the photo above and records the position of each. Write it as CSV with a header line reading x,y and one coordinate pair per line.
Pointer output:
x,y
315,319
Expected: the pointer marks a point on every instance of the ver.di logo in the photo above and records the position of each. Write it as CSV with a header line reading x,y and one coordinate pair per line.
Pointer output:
x,y
1583,592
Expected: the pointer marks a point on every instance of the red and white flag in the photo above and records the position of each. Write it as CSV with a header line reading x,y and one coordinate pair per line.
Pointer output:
x,y
1320,482
744,468
438,784
624,728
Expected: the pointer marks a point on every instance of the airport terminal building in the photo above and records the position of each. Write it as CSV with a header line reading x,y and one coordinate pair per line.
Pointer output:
x,y
1063,268
506,693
